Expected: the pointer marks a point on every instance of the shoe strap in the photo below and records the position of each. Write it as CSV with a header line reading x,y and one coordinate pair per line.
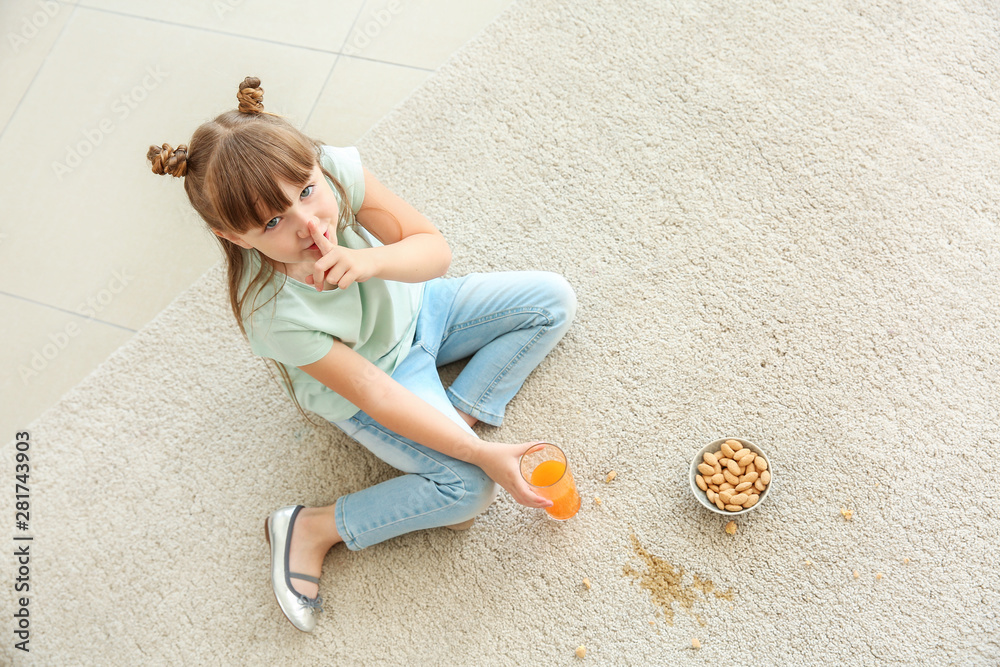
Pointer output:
x,y
304,577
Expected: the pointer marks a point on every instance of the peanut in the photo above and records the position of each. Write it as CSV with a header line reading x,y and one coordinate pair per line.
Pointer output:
x,y
700,481
706,469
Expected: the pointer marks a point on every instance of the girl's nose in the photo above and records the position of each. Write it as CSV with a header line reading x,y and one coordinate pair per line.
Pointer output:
x,y
304,228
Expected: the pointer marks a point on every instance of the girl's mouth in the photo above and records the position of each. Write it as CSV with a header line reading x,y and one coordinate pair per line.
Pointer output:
x,y
326,234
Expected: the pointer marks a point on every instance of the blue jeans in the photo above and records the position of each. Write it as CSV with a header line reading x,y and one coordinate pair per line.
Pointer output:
x,y
506,323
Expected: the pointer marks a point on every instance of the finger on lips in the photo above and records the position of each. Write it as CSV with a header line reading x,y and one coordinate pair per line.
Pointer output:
x,y
322,242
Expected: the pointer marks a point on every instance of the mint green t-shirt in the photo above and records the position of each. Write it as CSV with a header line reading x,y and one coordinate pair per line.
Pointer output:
x,y
376,318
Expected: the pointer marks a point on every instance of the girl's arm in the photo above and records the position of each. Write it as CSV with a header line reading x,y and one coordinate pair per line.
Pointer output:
x,y
413,249
394,406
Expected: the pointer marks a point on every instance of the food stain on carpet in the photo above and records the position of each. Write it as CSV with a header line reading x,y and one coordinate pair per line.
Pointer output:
x,y
665,584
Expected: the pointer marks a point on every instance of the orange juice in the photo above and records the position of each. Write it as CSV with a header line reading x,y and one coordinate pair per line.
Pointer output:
x,y
547,473
556,484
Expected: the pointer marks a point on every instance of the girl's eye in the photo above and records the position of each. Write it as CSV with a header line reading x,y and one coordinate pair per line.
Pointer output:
x,y
271,224
307,191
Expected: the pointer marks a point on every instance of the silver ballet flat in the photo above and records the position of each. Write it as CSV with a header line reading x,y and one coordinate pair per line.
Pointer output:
x,y
298,608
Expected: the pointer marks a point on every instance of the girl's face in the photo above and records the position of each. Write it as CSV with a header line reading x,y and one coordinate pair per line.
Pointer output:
x,y
284,237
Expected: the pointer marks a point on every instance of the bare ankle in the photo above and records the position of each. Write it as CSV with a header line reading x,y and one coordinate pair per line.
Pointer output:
x,y
469,419
319,527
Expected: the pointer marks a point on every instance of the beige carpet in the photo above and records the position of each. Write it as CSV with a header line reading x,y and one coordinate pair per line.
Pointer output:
x,y
781,220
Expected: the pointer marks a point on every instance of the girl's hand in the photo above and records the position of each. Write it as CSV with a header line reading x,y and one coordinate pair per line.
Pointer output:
x,y
341,267
502,463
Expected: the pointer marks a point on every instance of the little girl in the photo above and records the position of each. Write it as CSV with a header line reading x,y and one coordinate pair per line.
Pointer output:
x,y
338,281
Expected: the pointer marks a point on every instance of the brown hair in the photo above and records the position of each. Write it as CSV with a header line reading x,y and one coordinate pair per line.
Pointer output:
x,y
232,173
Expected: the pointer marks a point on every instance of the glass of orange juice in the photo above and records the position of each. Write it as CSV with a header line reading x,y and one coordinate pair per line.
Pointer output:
x,y
545,468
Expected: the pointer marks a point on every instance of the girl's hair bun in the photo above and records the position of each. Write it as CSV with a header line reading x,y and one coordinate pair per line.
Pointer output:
x,y
167,160
250,96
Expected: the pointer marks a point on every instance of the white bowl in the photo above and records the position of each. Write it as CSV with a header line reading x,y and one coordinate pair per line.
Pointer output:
x,y
714,447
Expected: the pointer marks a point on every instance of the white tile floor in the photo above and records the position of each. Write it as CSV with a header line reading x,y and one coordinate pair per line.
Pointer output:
x,y
92,245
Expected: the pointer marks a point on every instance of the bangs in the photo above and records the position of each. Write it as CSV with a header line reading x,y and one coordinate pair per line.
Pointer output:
x,y
245,181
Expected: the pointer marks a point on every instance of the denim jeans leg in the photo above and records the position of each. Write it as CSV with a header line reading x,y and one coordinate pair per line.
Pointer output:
x,y
507,323
437,490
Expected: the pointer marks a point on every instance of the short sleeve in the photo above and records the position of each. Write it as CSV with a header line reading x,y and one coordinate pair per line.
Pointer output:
x,y
345,165
291,344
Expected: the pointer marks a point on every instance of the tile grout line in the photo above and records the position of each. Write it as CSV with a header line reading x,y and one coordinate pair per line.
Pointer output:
x,y
69,312
263,40
38,71
333,66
